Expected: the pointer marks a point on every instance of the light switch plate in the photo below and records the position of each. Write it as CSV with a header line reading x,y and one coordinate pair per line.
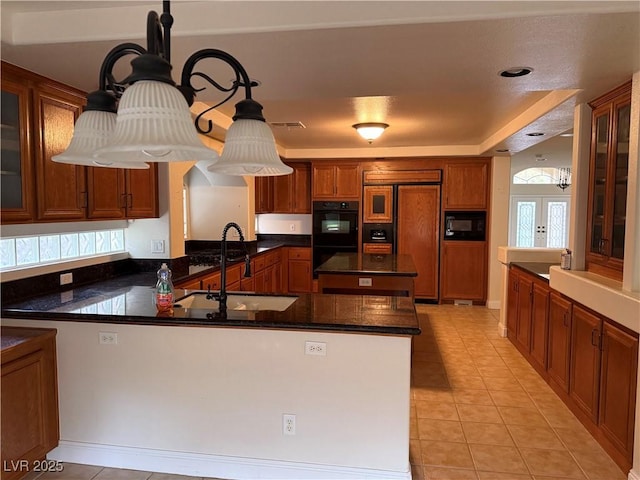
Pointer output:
x,y
365,282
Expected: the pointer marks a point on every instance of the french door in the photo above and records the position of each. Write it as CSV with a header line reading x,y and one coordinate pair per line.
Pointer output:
x,y
539,221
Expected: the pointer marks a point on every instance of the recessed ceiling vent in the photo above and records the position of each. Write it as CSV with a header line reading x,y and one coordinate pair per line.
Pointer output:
x,y
288,125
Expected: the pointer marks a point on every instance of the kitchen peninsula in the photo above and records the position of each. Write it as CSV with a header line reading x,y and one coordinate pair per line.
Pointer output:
x,y
197,396
367,274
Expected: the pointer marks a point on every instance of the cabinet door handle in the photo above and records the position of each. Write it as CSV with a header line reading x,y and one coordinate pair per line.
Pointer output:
x,y
84,200
130,200
565,319
594,335
123,202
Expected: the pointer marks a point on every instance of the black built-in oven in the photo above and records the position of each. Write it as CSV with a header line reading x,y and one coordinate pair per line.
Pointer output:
x,y
335,229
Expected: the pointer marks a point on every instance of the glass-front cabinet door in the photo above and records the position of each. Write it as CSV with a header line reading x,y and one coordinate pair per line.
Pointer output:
x,y
16,174
609,169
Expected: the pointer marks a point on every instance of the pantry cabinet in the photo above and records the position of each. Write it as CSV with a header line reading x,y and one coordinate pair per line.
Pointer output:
x,y
339,181
119,193
466,185
608,176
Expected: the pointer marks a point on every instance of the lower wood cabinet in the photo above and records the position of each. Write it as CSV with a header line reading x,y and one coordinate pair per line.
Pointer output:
x,y
619,370
584,376
463,275
29,397
559,345
299,276
589,360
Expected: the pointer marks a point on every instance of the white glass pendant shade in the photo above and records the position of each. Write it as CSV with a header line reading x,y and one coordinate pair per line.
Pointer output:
x,y
91,132
153,125
250,149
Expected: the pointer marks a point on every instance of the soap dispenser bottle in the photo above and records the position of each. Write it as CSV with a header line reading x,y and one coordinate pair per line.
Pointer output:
x,y
164,290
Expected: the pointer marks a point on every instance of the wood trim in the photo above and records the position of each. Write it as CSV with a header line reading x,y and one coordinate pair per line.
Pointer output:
x,y
402,176
609,96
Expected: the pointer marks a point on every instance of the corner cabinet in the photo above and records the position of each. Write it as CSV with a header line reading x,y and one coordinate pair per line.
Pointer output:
x,y
340,181
608,172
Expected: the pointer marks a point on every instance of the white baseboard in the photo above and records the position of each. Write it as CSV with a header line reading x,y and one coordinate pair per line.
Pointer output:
x,y
633,475
502,331
493,304
203,465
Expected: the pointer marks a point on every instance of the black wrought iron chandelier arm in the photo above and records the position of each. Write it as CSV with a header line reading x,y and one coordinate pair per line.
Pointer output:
x,y
242,78
107,80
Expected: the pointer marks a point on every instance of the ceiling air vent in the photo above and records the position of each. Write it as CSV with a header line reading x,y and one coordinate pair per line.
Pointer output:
x,y
287,124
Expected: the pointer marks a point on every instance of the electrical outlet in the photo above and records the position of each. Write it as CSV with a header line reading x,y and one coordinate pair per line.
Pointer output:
x,y
365,282
288,424
157,246
315,348
108,338
66,278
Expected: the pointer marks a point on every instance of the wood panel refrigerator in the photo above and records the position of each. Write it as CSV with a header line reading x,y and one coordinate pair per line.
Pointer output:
x,y
418,234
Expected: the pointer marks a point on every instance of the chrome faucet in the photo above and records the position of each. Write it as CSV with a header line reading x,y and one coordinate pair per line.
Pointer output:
x,y
221,296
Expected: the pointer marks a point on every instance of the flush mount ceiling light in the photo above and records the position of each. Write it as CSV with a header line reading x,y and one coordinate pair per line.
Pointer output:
x,y
514,72
370,131
152,119
534,134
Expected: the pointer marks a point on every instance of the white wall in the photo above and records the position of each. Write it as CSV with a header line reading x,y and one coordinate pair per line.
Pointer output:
x,y
499,225
222,391
275,223
212,207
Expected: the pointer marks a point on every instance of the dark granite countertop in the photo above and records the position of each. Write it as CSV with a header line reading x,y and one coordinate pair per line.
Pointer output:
x,y
369,264
541,269
129,299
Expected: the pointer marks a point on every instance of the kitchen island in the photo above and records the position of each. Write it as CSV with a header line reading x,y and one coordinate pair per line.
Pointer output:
x,y
367,274
205,396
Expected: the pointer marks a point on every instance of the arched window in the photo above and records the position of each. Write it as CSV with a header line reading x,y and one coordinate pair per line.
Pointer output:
x,y
537,176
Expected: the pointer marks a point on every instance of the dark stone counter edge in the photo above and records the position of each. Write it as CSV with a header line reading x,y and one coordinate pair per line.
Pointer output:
x,y
535,268
191,322
372,273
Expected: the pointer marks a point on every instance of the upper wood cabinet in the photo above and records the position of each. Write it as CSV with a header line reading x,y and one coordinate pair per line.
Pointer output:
x,y
285,193
466,185
41,115
608,172
45,112
378,204
16,166
117,193
61,188
339,181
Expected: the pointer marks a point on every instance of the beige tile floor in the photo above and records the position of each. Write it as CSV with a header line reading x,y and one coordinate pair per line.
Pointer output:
x,y
478,411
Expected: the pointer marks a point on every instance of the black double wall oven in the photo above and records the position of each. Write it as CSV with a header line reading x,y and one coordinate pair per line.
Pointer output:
x,y
335,229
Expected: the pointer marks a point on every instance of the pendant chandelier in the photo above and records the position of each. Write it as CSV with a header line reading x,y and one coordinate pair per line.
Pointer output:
x,y
146,118
564,178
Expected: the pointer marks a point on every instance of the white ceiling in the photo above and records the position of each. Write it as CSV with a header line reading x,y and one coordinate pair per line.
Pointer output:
x,y
428,69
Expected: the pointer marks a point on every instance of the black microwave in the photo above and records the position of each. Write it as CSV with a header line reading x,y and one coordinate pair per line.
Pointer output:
x,y
465,226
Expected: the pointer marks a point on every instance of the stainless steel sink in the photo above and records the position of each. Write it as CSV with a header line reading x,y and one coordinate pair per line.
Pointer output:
x,y
243,302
